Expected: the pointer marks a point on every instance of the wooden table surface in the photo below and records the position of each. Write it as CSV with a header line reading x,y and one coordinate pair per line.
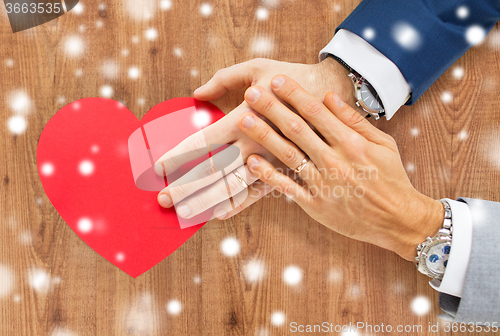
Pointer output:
x,y
450,149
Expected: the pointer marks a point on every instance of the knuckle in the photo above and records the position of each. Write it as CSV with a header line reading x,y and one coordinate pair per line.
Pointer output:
x,y
178,193
233,185
291,94
290,155
295,127
267,106
220,73
264,134
196,142
355,118
199,203
312,107
267,175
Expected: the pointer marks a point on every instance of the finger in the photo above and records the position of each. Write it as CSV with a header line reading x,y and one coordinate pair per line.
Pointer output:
x,y
241,201
356,121
290,124
194,147
235,77
278,181
286,151
204,174
310,108
215,193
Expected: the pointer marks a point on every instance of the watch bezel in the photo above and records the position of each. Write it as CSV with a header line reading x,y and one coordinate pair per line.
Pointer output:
x,y
358,82
421,259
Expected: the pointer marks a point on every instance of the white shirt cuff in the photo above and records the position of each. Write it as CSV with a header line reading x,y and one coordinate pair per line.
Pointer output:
x,y
461,245
370,63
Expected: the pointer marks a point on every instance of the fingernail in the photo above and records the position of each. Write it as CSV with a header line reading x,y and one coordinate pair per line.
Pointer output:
x,y
253,163
278,81
253,94
159,169
164,200
248,121
183,210
198,90
336,99
220,213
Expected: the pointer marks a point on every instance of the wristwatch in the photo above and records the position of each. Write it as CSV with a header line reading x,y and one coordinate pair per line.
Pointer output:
x,y
433,253
366,96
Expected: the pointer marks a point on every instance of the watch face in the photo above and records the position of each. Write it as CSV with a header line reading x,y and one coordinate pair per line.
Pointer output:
x,y
369,97
437,258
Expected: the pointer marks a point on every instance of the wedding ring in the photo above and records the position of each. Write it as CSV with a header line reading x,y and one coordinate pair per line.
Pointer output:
x,y
240,179
302,165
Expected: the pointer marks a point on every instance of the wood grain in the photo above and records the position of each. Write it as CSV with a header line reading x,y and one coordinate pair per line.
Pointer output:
x,y
455,153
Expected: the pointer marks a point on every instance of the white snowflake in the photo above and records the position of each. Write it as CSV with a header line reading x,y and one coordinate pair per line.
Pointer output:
x,y
206,9
166,5
462,12
369,33
134,72
17,124
39,280
74,46
475,34
174,307
140,10
110,69
278,318
262,14
177,52
120,257
19,102
446,97
85,225
262,45
292,275
86,167
9,62
47,169
78,9
271,3
406,36
254,270
463,135
230,246
106,91
420,305
458,72
151,34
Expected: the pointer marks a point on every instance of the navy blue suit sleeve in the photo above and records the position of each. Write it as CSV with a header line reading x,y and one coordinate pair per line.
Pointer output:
x,y
438,39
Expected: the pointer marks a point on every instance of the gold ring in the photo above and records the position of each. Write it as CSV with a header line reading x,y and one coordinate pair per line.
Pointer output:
x,y
302,165
240,179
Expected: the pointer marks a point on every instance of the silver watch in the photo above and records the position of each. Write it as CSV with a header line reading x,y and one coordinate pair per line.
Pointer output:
x,y
366,96
433,253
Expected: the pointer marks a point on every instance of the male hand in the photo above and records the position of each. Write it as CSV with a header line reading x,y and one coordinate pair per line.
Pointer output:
x,y
355,181
202,189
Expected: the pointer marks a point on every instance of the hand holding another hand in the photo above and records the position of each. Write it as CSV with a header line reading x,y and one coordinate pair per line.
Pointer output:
x,y
205,189
355,181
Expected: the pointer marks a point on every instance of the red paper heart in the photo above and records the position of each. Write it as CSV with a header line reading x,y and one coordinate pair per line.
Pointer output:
x,y
83,163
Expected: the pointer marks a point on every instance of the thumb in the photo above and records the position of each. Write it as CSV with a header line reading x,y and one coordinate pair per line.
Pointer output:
x,y
235,77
